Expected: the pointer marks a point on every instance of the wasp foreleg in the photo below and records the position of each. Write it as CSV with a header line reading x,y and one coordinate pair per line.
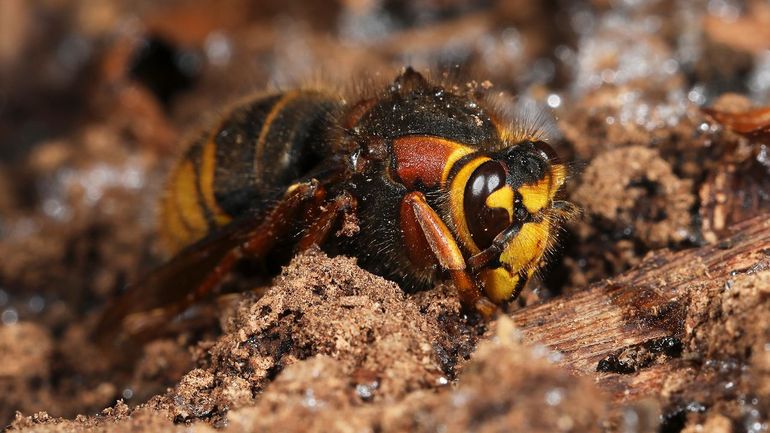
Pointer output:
x,y
422,226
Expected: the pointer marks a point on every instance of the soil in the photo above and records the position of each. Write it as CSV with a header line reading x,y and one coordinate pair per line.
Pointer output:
x,y
651,316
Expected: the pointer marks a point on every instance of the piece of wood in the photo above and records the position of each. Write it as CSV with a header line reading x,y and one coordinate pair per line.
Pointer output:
x,y
641,306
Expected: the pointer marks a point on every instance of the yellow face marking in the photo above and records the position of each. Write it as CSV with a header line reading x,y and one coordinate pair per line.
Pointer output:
x,y
537,196
206,182
499,284
456,198
502,198
526,250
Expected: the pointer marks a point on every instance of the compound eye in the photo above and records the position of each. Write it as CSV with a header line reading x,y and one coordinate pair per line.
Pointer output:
x,y
486,218
547,151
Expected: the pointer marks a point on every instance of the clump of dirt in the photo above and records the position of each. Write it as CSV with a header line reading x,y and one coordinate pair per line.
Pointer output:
x,y
318,306
639,356
727,342
736,189
31,344
646,147
349,348
632,202
742,330
503,384
71,197
640,196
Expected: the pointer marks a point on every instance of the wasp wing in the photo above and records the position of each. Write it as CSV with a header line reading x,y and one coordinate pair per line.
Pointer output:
x,y
196,270
173,286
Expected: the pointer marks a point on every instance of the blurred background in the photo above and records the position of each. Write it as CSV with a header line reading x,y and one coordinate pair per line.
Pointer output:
x,y
97,95
59,60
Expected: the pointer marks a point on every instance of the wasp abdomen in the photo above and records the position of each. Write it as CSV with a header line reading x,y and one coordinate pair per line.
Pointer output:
x,y
255,153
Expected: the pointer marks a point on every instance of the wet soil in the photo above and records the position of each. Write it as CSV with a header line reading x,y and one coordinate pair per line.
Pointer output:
x,y
651,316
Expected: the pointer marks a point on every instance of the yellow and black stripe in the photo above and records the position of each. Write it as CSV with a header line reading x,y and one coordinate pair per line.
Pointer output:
x,y
258,149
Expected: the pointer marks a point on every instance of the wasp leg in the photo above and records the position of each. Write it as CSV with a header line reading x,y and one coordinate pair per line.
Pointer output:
x,y
198,269
417,217
261,240
321,224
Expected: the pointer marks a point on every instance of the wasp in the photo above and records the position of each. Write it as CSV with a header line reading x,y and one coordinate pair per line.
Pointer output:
x,y
418,182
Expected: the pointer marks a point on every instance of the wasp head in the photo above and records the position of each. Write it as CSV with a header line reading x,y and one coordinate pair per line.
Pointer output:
x,y
508,214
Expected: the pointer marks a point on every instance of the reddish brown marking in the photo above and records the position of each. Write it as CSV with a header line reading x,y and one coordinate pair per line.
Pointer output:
x,y
314,209
321,225
417,246
422,158
437,234
470,297
261,240
422,222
